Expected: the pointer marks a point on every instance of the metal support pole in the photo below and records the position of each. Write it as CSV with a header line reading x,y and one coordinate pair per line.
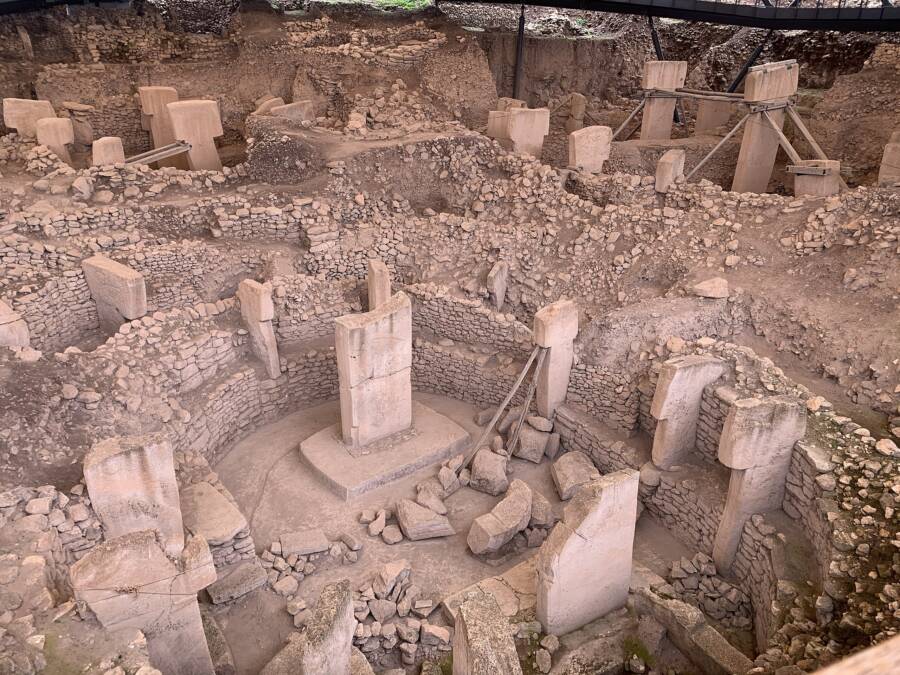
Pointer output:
x,y
634,112
518,75
660,56
718,145
511,447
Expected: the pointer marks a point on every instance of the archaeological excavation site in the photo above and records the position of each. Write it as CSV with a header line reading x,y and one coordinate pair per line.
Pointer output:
x,y
407,337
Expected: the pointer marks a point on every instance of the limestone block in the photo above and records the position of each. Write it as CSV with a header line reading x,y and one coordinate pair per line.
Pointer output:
x,y
379,281
532,444
489,472
235,581
107,150
889,172
299,111
715,287
571,471
527,129
482,639
584,566
418,522
57,134
265,108
511,515
257,311
667,75
818,186
132,484
118,290
198,123
498,125
165,606
374,357
577,108
497,281
325,647
304,542
556,323
669,169
22,114
676,405
759,431
207,513
13,329
772,81
155,119
589,148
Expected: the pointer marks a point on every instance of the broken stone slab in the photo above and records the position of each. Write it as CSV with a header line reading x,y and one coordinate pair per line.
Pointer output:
x,y
482,640
299,111
497,281
716,288
304,542
527,128
13,329
235,581
266,106
118,290
418,522
489,472
584,566
132,484
589,148
206,512
359,664
379,283
511,515
56,133
571,471
23,114
325,647
258,311
165,604
555,328
669,169
532,444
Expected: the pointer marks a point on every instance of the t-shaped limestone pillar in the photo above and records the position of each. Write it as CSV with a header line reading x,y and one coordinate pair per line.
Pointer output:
x,y
669,168
667,76
132,485
555,328
379,280
198,123
22,114
772,82
129,582
584,566
712,115
258,311
589,148
155,119
374,359
756,444
889,172
118,290
527,129
107,150
676,405
57,134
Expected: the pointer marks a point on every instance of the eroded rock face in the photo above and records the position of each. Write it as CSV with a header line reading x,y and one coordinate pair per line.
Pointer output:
x,y
198,16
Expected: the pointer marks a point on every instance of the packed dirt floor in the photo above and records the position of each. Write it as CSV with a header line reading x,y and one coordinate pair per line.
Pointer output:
x,y
383,366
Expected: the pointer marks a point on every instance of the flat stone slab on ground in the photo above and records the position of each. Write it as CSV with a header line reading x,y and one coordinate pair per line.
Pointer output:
x,y
418,522
206,512
236,581
432,439
304,542
571,471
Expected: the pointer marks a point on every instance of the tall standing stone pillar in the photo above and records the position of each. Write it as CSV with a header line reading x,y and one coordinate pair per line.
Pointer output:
x,y
676,405
769,83
756,444
198,123
379,281
374,359
889,171
555,329
258,312
155,119
656,123
584,566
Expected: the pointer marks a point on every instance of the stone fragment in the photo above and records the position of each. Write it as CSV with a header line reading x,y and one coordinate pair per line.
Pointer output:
x,y
489,472
235,581
107,150
482,640
23,114
571,471
669,169
207,513
716,287
418,522
511,515
304,542
118,290
532,444
589,148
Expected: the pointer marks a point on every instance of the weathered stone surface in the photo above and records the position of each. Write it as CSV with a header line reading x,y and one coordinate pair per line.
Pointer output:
x,y
482,640
584,566
23,114
669,169
379,282
716,287
133,487
206,512
198,123
490,531
571,471
304,542
418,522
13,329
532,444
107,150
235,581
119,291
489,472
257,310
589,148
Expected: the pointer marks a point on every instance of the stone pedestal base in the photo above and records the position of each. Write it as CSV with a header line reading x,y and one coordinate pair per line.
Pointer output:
x,y
350,472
